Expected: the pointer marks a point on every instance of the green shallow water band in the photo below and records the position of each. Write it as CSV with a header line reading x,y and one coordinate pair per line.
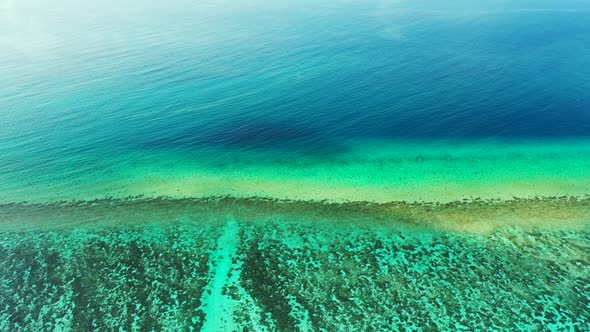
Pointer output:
x,y
257,264
376,171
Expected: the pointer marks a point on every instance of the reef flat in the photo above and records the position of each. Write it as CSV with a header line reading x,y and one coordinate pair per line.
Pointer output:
x,y
469,216
256,264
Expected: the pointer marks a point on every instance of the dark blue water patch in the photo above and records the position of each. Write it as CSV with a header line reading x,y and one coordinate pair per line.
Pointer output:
x,y
248,134
259,133
490,76
475,117
455,106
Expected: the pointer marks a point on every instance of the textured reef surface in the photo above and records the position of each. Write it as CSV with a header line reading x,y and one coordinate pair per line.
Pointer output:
x,y
255,264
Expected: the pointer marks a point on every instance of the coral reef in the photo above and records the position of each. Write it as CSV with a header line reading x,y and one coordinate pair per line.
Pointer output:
x,y
256,264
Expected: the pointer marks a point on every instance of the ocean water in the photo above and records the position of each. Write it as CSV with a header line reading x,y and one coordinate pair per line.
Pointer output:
x,y
336,165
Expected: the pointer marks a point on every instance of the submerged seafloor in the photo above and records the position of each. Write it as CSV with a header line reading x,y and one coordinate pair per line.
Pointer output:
x,y
223,264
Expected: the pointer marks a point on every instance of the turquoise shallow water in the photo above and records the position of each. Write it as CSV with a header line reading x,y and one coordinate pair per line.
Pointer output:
x,y
358,165
376,171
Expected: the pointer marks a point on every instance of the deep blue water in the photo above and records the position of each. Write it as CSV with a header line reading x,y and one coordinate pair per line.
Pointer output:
x,y
98,79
